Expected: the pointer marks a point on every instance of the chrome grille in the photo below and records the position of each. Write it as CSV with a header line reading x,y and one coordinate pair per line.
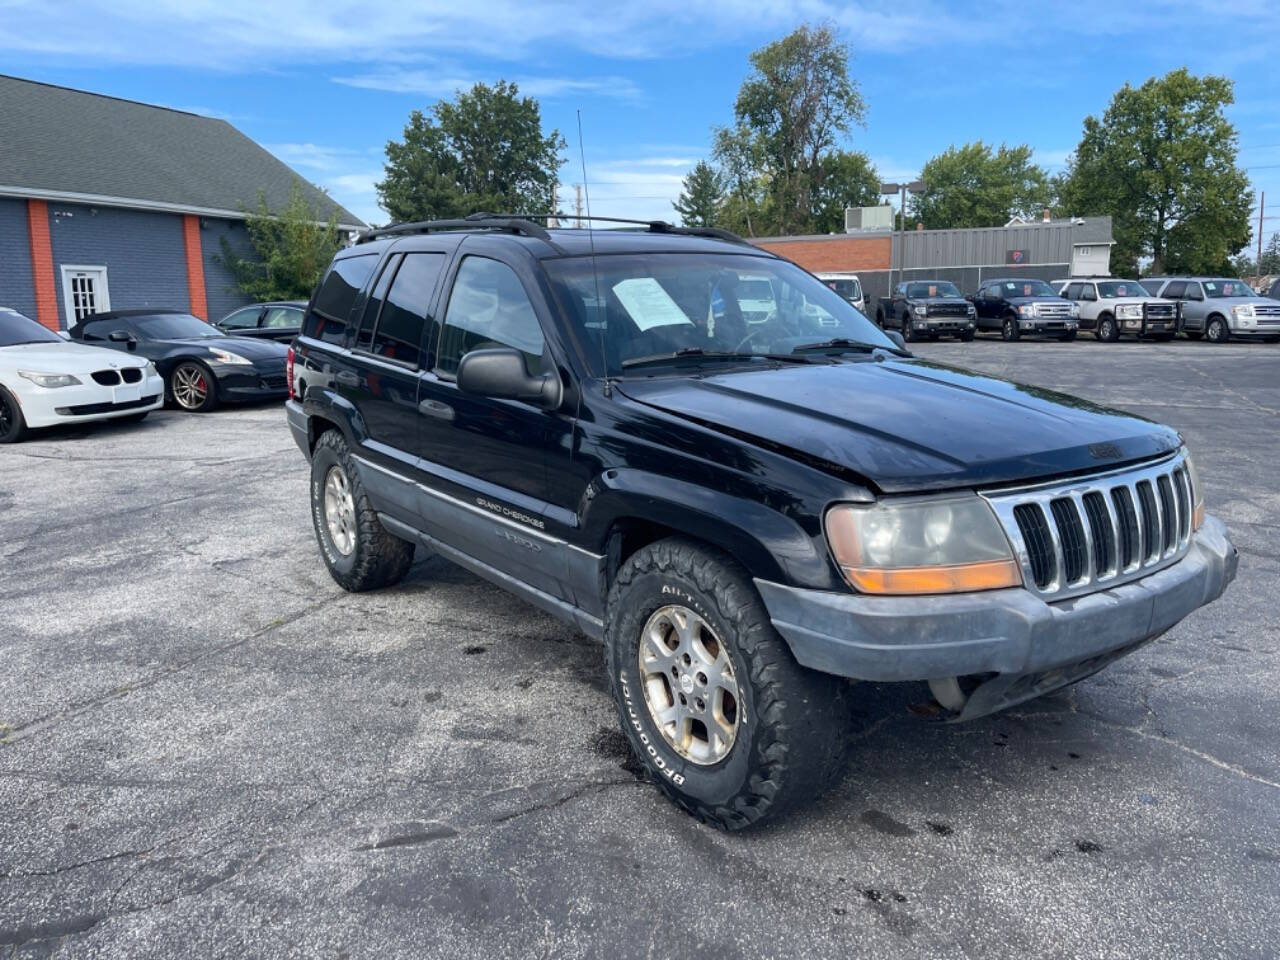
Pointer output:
x,y
1267,312
1045,309
1159,311
1091,533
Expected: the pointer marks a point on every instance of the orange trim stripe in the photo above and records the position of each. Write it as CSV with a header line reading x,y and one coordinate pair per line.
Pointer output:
x,y
195,266
42,263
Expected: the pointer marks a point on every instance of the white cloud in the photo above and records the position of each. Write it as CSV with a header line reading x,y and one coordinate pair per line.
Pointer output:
x,y
434,82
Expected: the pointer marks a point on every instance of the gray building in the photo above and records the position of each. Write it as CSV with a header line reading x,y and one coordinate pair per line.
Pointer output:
x,y
113,204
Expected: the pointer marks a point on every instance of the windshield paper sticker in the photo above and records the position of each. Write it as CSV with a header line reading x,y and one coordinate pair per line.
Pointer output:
x,y
648,304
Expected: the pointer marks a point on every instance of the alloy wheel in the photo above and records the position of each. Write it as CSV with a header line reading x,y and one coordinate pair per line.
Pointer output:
x,y
190,386
339,511
1217,331
689,685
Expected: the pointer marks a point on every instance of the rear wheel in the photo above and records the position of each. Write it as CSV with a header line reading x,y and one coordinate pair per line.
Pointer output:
x,y
1108,329
1009,329
359,551
708,694
13,427
192,387
1217,331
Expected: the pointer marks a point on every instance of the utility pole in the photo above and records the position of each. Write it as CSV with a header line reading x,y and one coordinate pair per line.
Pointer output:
x,y
577,205
1262,208
553,220
902,189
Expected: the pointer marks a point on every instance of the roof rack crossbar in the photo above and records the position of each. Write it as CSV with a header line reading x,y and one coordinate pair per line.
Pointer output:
x,y
655,226
476,221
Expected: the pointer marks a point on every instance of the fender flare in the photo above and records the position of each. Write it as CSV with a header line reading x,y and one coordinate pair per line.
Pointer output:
x,y
326,404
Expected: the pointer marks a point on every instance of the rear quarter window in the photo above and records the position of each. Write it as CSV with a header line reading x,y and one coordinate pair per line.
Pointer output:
x,y
331,308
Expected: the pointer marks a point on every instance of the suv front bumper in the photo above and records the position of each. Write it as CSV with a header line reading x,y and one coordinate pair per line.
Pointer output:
x,y
1009,632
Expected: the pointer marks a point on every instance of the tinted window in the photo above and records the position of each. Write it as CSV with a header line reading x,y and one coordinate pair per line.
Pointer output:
x,y
337,294
99,329
373,304
488,308
16,328
1174,290
174,326
398,335
932,288
1152,286
1193,291
1072,292
241,319
282,318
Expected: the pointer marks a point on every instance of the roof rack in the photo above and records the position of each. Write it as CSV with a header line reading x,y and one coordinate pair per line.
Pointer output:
x,y
511,223
524,224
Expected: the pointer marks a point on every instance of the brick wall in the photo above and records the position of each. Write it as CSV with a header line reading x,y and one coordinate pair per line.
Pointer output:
x,y
16,287
143,252
840,252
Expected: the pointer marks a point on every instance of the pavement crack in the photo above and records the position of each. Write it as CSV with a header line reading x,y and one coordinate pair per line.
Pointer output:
x,y
586,789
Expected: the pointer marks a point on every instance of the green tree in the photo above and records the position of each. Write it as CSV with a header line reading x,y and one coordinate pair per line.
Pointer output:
x,y
484,150
848,180
1162,162
701,196
740,159
977,186
797,104
291,248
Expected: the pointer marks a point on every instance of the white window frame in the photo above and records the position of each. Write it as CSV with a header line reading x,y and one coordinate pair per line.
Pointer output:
x,y
101,293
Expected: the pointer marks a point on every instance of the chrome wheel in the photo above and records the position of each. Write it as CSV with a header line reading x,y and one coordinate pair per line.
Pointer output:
x,y
190,386
689,685
339,511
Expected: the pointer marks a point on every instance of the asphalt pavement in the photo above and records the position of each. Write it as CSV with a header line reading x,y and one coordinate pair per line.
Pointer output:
x,y
207,749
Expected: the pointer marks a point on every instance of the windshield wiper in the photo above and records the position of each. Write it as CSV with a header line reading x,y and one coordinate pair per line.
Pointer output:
x,y
697,353
840,343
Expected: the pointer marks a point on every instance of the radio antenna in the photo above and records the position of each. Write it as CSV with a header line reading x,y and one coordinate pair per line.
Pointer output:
x,y
602,314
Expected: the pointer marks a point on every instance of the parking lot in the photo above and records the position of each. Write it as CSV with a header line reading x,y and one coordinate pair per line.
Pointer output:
x,y
210,750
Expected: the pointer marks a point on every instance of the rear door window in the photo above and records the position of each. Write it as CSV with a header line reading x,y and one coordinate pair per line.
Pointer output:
x,y
398,335
1174,290
331,309
279,318
488,307
373,303
242,319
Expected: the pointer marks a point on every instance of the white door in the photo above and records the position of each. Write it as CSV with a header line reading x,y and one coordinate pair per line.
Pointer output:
x,y
84,291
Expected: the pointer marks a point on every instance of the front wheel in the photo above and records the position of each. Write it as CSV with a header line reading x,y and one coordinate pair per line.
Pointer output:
x,y
1009,330
359,551
192,387
908,334
708,694
13,427
1108,329
1217,331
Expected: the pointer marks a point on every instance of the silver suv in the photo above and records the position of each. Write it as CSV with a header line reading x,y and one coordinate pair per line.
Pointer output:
x,y
1111,307
1220,308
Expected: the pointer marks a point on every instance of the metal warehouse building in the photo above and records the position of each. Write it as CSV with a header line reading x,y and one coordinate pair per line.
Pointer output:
x,y
1047,249
113,204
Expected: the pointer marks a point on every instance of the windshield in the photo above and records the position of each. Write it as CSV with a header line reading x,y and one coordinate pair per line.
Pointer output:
x,y
849,289
1027,288
1228,289
655,304
174,326
932,288
1110,289
16,328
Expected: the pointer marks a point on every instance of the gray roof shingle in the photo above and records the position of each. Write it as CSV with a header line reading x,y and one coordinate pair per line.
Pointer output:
x,y
63,141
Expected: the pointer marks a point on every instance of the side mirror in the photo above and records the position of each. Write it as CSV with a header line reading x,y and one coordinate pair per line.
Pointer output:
x,y
896,337
123,336
500,372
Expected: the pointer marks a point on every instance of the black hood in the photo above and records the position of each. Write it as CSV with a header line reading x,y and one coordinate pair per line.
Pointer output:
x,y
908,425
247,347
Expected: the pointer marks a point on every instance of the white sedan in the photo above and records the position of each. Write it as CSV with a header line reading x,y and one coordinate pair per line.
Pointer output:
x,y
46,380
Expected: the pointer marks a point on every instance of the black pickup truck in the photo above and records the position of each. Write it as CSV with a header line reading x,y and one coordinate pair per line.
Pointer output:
x,y
748,515
927,310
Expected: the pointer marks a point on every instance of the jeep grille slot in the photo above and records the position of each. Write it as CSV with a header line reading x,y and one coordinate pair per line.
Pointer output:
x,y
1071,532
1035,532
1086,534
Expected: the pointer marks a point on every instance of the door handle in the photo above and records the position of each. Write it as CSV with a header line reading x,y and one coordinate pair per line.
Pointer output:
x,y
436,408
346,378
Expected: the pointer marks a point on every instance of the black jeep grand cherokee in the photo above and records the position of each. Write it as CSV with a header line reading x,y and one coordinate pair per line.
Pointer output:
x,y
745,513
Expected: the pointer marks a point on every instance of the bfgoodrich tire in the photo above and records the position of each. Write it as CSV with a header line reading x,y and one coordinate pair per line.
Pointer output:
x,y
730,726
359,551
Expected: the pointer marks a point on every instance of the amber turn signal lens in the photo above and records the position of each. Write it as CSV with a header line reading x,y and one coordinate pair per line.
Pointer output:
x,y
1197,516
961,578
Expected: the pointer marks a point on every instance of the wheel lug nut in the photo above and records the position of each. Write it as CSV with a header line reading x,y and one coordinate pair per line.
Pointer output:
x,y
683,701
700,705
702,679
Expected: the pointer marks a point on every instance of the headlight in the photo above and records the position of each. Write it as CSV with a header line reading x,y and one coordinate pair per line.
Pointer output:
x,y
920,310
1129,311
50,380
150,370
1027,310
948,545
225,356
1197,495
1244,311
972,310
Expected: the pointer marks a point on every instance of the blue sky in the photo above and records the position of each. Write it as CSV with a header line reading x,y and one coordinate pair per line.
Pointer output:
x,y
324,84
